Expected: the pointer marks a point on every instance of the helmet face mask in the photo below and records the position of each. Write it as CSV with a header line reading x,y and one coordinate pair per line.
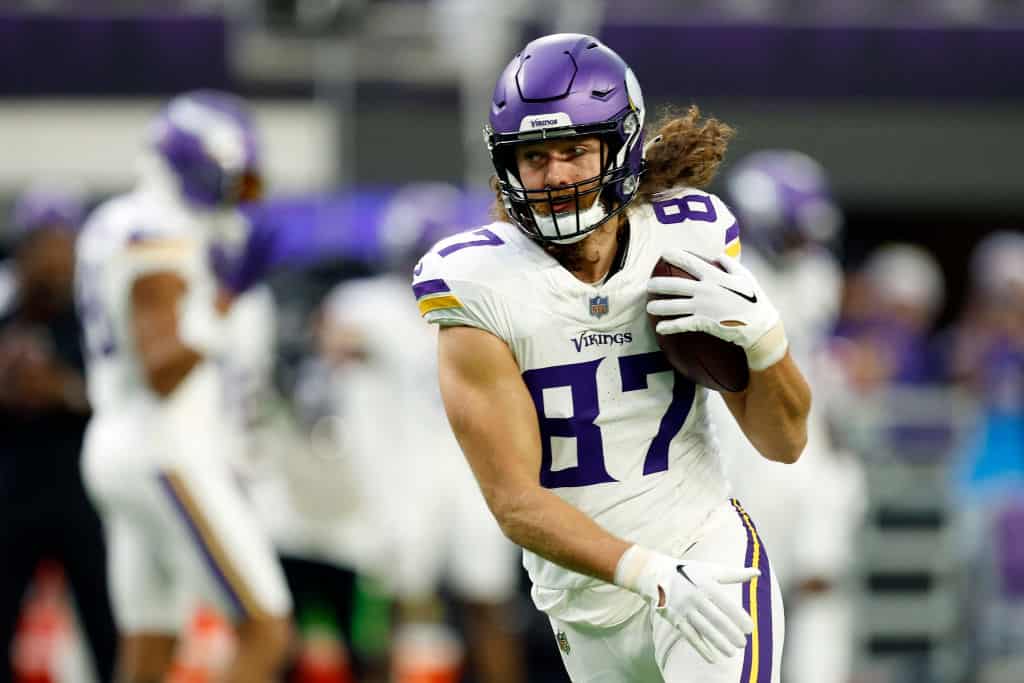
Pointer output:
x,y
565,87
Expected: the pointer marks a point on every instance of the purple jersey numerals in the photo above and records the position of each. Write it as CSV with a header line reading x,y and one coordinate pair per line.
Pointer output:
x,y
634,371
581,378
696,207
488,239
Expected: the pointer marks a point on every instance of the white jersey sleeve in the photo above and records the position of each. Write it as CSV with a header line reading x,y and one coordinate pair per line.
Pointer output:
x,y
452,283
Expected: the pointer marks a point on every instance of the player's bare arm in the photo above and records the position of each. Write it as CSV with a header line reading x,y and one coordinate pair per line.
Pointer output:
x,y
495,422
155,300
772,411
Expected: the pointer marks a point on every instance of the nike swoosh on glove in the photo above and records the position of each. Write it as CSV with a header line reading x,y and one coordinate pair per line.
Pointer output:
x,y
693,596
728,304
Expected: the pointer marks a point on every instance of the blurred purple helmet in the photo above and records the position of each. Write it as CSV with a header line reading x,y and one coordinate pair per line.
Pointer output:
x,y
46,206
208,140
783,200
417,216
567,85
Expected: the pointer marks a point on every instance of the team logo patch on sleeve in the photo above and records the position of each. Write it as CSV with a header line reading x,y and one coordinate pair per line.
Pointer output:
x,y
598,306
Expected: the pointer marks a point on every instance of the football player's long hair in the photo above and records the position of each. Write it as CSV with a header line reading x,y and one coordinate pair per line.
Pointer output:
x,y
685,151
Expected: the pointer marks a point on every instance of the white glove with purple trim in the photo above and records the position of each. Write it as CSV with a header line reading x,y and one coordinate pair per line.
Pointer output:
x,y
727,304
693,596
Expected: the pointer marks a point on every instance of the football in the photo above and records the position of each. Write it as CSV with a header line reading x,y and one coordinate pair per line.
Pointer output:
x,y
700,357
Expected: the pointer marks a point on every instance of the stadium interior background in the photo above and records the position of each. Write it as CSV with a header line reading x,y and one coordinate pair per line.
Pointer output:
x,y
915,108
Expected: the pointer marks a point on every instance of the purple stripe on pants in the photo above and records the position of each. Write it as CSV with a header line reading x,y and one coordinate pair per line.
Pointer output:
x,y
764,615
211,562
421,289
763,598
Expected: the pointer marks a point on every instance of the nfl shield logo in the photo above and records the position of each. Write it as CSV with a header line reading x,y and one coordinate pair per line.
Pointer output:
x,y
563,642
598,306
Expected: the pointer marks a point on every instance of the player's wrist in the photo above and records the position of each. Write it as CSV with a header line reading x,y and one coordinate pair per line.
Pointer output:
x,y
636,572
769,349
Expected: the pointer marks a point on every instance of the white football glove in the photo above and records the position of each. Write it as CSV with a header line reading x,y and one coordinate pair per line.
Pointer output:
x,y
691,595
728,304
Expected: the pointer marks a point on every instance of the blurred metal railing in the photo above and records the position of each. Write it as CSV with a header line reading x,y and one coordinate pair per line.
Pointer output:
x,y
911,624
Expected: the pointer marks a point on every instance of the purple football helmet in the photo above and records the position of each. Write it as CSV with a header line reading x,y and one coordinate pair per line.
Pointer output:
x,y
783,200
208,140
44,206
567,85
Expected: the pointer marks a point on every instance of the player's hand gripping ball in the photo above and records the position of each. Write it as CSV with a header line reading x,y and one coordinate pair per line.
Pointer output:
x,y
699,356
713,321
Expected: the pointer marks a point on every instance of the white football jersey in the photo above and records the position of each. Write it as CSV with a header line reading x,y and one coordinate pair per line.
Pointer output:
x,y
624,439
128,236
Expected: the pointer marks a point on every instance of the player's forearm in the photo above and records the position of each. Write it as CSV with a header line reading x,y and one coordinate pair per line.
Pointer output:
x,y
543,523
773,411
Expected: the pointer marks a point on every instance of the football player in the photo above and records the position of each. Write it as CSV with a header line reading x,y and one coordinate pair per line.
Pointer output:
x,y
592,454
809,513
159,443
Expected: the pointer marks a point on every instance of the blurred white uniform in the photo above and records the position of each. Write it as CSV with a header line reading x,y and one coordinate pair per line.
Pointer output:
x,y
415,479
158,468
624,439
250,329
807,512
305,494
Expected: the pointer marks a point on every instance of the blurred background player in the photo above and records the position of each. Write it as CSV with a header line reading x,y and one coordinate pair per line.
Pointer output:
x,y
892,303
810,512
43,413
987,358
419,487
158,447
302,486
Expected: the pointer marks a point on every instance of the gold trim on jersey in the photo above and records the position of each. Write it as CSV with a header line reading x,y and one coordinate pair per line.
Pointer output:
x,y
434,303
159,244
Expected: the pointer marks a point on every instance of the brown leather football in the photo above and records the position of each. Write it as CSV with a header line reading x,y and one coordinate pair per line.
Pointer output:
x,y
698,356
